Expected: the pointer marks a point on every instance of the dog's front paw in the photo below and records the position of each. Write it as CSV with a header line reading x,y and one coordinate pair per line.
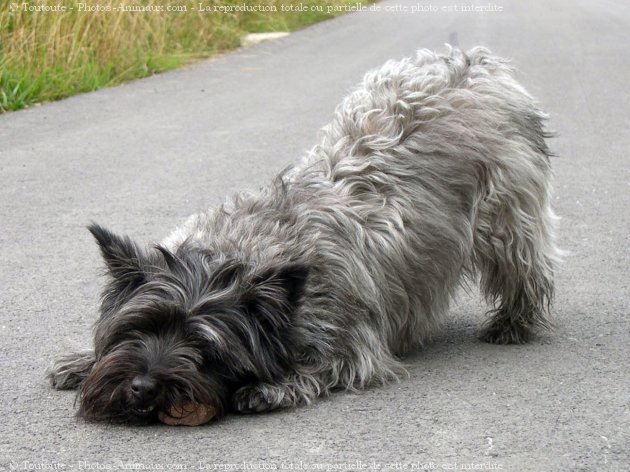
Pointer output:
x,y
257,398
69,370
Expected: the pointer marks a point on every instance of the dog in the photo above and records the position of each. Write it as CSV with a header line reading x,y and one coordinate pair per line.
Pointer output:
x,y
433,173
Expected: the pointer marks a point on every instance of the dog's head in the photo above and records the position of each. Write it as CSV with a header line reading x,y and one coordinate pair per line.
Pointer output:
x,y
184,327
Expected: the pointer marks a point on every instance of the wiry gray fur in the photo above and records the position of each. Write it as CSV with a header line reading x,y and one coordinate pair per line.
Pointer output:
x,y
433,171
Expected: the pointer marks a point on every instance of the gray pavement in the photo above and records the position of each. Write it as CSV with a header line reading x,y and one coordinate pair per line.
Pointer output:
x,y
143,156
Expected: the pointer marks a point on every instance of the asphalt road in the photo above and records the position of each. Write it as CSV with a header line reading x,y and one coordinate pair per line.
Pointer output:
x,y
143,156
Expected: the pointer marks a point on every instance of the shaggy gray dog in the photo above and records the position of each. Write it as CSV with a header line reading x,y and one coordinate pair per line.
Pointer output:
x,y
432,172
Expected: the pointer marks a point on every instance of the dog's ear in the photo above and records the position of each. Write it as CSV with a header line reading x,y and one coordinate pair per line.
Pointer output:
x,y
122,256
283,284
271,300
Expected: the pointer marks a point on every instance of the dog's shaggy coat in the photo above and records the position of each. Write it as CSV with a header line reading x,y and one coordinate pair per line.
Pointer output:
x,y
434,170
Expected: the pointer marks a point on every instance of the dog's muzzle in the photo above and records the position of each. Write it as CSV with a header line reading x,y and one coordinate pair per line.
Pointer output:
x,y
144,393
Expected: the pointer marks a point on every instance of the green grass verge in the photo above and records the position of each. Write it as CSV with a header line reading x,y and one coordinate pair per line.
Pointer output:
x,y
48,55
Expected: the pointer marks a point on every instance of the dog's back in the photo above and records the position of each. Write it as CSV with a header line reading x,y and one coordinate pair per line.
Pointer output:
x,y
442,163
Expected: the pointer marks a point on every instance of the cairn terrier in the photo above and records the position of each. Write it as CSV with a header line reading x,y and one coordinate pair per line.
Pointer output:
x,y
433,172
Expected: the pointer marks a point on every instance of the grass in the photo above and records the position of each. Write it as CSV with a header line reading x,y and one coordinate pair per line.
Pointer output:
x,y
48,55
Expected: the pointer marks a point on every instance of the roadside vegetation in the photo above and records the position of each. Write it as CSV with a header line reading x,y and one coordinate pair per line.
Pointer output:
x,y
46,54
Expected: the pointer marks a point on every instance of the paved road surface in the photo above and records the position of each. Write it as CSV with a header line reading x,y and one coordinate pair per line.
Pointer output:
x,y
141,157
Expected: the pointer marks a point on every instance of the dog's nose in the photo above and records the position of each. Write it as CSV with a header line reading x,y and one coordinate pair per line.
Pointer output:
x,y
144,388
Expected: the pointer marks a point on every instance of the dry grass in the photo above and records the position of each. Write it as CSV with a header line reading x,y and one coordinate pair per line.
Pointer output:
x,y
47,55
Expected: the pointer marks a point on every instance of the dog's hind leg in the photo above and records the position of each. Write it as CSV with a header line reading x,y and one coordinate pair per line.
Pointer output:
x,y
514,251
69,370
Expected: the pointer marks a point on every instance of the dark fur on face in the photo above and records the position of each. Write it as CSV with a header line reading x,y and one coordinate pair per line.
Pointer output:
x,y
184,326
